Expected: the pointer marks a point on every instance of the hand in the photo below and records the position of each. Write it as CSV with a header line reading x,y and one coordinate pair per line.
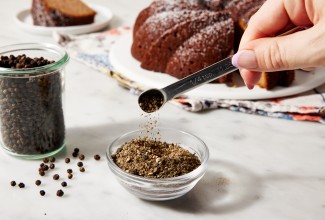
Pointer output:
x,y
260,51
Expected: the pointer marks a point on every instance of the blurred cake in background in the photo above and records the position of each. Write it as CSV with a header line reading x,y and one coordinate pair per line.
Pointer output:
x,y
180,37
53,13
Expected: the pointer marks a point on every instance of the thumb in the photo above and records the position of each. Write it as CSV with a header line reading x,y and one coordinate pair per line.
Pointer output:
x,y
295,51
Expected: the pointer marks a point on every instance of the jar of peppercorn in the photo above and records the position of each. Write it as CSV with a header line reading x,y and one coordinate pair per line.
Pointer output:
x,y
32,99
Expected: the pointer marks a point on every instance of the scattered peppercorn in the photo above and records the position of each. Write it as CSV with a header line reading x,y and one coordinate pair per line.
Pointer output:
x,y
56,176
80,164
59,193
45,167
21,185
76,150
52,159
82,169
46,160
70,175
64,184
81,157
52,166
75,154
97,157
42,165
69,170
38,182
41,173
67,160
42,192
13,183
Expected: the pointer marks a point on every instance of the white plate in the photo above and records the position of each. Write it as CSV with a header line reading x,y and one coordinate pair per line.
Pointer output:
x,y
122,60
24,20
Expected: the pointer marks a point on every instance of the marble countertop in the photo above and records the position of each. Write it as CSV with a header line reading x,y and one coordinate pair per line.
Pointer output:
x,y
259,168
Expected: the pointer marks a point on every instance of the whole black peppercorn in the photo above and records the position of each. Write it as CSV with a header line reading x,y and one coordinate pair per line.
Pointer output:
x,y
67,160
97,157
21,185
42,173
64,184
45,167
52,166
81,157
69,170
82,169
46,160
76,150
75,154
13,183
56,176
60,193
42,165
38,182
80,164
42,192
52,159
70,175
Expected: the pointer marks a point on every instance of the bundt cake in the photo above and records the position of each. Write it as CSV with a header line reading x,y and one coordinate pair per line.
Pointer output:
x,y
180,37
61,13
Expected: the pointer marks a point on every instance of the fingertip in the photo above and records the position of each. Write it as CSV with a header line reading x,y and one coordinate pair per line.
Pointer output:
x,y
250,78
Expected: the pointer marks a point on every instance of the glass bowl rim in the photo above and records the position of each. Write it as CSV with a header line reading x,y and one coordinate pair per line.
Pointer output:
x,y
63,60
191,175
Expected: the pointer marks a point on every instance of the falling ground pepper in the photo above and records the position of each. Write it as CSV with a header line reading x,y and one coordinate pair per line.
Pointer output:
x,y
155,159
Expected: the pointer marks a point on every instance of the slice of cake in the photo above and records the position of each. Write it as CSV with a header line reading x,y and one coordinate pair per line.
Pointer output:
x,y
61,13
269,80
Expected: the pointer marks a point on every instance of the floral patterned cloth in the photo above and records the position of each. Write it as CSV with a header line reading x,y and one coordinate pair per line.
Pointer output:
x,y
93,50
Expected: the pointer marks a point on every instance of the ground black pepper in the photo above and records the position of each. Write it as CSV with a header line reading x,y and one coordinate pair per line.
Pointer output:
x,y
155,159
151,100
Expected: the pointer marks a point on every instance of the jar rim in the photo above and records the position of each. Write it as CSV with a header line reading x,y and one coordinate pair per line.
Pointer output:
x,y
61,62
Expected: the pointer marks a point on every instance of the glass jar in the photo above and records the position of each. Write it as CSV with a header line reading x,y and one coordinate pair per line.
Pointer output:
x,y
32,102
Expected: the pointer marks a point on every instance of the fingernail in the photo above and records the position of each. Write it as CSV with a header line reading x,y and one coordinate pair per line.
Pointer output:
x,y
244,59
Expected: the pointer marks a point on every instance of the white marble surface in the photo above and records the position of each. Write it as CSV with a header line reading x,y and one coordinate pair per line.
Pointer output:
x,y
260,168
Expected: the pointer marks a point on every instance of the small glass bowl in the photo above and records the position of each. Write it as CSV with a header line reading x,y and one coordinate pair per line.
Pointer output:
x,y
163,188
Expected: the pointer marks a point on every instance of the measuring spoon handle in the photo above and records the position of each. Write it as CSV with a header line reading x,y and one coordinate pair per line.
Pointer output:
x,y
200,77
